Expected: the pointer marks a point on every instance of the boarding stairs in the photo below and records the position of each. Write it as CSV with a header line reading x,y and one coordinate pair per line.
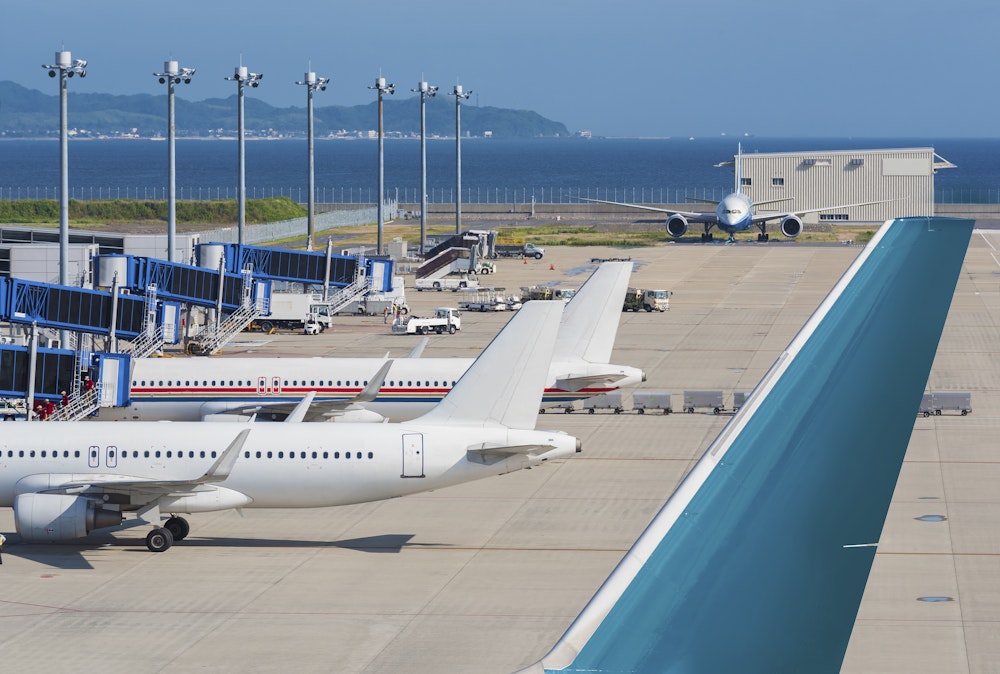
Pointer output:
x,y
145,345
358,289
80,405
210,341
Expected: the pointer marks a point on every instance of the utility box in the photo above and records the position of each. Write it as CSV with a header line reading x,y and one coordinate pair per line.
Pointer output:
x,y
612,400
652,400
703,400
937,402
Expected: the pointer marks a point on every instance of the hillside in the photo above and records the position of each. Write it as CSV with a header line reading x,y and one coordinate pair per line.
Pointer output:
x,y
28,113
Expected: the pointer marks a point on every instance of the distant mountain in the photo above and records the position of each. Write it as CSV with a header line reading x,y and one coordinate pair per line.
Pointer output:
x,y
29,113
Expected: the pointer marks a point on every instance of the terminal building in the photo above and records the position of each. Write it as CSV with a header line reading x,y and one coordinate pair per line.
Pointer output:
x,y
804,180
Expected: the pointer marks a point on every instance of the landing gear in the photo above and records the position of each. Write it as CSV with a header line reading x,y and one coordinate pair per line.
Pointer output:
x,y
763,237
706,237
178,527
159,540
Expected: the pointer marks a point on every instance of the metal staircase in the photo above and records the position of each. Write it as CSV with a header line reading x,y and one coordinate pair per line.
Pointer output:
x,y
210,341
80,406
358,289
149,343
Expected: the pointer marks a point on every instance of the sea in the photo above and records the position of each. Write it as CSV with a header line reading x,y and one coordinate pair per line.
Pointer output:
x,y
546,170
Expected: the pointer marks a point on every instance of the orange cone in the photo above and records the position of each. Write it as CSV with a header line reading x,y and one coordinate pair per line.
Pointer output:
x,y
525,260
552,267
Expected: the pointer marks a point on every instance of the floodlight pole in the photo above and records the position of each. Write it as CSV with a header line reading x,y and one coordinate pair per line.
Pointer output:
x,y
66,66
459,95
382,88
312,83
426,91
172,74
242,77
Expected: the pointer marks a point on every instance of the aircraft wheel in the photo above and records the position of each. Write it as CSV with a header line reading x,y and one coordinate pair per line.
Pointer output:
x,y
178,527
590,411
159,540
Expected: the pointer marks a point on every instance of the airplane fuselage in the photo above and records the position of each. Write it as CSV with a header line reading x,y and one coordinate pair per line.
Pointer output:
x,y
734,213
191,389
279,465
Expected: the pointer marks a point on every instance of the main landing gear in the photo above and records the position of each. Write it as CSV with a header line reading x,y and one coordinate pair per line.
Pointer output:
x,y
161,538
763,236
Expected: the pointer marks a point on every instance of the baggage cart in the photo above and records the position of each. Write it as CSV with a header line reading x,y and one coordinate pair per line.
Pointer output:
x,y
703,400
652,400
612,400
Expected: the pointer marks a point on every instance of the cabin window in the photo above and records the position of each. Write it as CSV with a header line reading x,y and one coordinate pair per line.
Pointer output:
x,y
145,454
269,455
246,455
281,455
157,455
338,382
21,454
43,453
202,454
213,382
169,454
302,455
371,455
336,455
258,455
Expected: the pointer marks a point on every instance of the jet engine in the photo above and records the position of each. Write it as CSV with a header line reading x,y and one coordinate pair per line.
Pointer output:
x,y
791,226
54,517
677,226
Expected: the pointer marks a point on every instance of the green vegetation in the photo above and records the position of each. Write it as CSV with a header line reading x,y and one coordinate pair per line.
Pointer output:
x,y
120,211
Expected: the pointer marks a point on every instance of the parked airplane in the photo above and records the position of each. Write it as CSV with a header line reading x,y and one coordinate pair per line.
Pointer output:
x,y
759,559
195,388
735,213
65,479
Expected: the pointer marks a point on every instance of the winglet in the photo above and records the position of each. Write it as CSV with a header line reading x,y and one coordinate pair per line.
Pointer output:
x,y
590,322
418,350
224,464
299,413
371,389
766,545
504,385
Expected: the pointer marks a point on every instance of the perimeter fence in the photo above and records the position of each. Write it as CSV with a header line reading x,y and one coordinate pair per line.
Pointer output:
x,y
439,195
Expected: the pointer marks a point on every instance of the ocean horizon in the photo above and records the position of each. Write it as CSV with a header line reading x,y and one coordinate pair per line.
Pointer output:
x,y
493,170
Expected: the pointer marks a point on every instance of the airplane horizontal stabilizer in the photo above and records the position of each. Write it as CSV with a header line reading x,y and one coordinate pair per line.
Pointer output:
x,y
490,455
759,559
574,384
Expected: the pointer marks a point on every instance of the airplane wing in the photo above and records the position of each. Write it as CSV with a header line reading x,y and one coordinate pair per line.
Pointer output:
x,y
778,216
759,559
217,472
691,216
324,409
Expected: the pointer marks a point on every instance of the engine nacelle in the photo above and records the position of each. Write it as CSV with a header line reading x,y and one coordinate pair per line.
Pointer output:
x,y
677,226
361,416
58,517
791,226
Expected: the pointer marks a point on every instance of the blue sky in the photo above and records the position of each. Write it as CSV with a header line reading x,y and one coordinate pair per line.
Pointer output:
x,y
628,68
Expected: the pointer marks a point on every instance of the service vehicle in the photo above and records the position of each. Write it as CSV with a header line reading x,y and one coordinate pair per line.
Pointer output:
x,y
293,311
445,319
447,283
637,299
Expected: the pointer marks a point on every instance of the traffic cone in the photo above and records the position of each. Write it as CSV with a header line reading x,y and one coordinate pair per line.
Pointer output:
x,y
525,260
552,267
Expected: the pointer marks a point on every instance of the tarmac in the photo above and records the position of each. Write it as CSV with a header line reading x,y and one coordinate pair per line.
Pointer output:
x,y
485,577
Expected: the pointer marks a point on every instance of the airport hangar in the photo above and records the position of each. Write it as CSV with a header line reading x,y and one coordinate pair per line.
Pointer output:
x,y
815,179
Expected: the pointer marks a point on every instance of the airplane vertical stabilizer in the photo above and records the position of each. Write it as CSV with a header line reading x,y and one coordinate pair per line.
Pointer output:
x,y
759,559
590,322
504,385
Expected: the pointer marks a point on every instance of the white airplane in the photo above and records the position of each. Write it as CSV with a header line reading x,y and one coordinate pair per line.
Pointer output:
x,y
735,213
66,479
758,560
346,389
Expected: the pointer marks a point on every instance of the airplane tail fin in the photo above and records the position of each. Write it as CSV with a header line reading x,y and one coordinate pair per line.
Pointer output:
x,y
738,187
504,385
759,559
590,322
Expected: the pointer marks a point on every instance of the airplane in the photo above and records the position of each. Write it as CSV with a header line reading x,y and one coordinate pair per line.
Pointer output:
x,y
735,213
65,479
759,559
193,389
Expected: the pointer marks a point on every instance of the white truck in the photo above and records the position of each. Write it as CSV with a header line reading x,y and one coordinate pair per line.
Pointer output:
x,y
295,310
637,299
445,319
447,283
